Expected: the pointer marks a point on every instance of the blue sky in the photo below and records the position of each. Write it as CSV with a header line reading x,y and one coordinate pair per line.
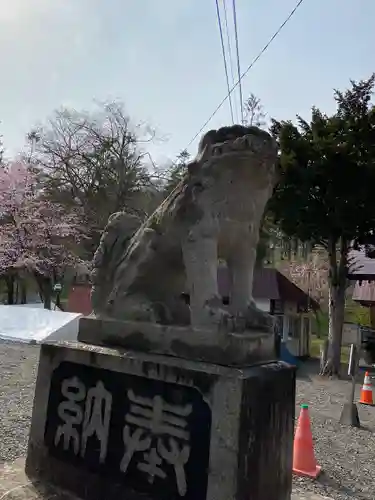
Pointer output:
x,y
163,59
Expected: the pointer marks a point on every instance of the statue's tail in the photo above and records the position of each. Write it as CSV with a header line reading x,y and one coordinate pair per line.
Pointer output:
x,y
120,228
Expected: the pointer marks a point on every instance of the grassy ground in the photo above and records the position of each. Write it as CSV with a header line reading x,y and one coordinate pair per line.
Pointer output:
x,y
354,313
315,343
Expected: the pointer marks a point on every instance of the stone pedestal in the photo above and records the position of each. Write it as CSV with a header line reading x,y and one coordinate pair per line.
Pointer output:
x,y
112,424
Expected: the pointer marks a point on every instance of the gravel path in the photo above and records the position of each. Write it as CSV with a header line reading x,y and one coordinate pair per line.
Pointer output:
x,y
18,364
346,455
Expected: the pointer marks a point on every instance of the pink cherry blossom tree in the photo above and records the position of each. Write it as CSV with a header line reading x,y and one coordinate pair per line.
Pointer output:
x,y
37,237
310,274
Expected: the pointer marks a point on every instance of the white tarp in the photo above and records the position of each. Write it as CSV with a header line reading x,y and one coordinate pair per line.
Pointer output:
x,y
32,323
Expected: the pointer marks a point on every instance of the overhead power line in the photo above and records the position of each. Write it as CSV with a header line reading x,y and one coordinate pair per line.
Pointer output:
x,y
238,56
224,58
247,70
229,50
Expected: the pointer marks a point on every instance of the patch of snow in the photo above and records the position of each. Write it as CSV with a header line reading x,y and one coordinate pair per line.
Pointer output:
x,y
34,324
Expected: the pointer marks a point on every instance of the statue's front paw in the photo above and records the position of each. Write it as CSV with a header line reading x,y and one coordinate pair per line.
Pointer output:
x,y
259,320
254,319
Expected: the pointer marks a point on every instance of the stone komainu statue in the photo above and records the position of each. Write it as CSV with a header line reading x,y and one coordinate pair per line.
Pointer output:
x,y
141,270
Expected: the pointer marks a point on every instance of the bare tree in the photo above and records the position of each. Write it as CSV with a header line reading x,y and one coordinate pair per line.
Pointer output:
x,y
310,274
253,112
96,161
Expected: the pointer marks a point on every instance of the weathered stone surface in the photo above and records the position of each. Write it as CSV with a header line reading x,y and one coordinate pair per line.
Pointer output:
x,y
229,426
214,213
221,347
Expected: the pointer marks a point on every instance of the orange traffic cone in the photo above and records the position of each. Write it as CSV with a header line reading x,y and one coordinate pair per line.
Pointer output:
x,y
366,391
304,463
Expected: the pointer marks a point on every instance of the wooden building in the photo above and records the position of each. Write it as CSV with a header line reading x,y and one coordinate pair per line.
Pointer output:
x,y
362,271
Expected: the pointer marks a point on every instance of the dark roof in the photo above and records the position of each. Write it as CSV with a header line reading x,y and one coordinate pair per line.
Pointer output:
x,y
361,266
269,284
